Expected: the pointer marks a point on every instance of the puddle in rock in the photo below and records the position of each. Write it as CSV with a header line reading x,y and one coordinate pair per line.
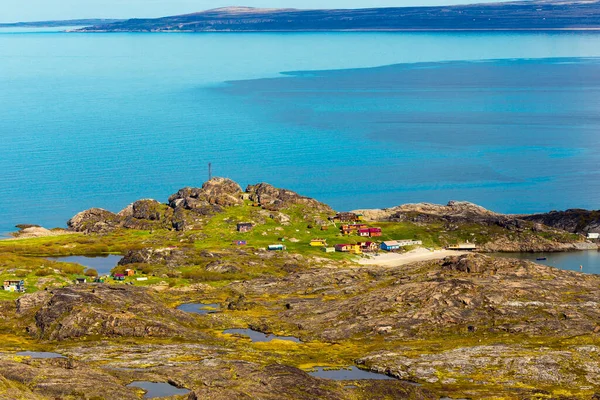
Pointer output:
x,y
256,336
40,354
102,264
200,308
158,389
351,374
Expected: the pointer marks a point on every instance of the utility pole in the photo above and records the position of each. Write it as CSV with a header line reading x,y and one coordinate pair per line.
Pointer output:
x,y
209,171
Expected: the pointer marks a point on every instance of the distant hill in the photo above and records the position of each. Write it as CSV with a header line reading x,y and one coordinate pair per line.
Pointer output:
x,y
520,15
56,24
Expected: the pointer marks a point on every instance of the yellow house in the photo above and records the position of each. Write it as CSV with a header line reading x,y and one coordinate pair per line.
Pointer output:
x,y
318,243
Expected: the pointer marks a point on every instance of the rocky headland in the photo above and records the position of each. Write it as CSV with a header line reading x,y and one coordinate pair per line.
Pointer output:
x,y
464,326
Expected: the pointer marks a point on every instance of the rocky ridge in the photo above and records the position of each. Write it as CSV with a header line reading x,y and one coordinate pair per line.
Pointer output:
x,y
190,207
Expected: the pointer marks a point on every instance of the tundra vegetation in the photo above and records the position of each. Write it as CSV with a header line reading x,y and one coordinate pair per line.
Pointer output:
x,y
467,326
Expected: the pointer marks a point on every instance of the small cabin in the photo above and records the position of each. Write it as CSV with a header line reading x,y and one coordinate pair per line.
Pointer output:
x,y
593,235
324,227
390,245
463,247
374,232
348,248
276,247
244,227
240,242
344,217
17,286
129,272
364,232
369,247
119,277
80,281
99,279
318,243
329,249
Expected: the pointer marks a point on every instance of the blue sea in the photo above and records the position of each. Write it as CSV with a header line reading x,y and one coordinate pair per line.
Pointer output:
x,y
510,121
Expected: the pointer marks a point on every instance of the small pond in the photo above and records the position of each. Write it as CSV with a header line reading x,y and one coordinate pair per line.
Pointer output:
x,y
256,336
200,308
158,389
351,374
102,264
570,261
39,354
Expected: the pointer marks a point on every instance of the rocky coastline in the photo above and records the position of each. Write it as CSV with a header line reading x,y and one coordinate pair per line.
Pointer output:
x,y
463,326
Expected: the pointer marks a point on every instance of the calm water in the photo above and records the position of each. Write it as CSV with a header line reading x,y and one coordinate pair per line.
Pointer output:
x,y
102,265
105,119
40,354
256,336
158,389
200,308
347,374
589,260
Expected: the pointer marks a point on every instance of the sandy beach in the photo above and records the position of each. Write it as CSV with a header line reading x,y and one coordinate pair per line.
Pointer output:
x,y
396,259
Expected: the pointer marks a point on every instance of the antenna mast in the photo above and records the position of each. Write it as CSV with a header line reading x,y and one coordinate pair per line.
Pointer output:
x,y
209,171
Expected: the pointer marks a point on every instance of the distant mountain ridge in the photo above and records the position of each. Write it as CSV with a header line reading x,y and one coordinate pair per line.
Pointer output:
x,y
55,24
519,15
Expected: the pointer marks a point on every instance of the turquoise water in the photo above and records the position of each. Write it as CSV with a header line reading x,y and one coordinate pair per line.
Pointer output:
x,y
105,119
587,262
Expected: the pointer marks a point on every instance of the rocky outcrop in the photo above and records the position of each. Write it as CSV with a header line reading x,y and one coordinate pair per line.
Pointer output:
x,y
216,193
168,256
105,311
274,199
491,294
94,220
190,207
573,220
455,211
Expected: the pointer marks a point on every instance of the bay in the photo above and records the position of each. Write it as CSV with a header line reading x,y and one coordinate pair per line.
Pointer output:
x,y
100,120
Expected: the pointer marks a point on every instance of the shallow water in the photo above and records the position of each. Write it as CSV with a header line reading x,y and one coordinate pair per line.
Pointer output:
x,y
353,373
158,389
101,120
256,336
102,264
200,308
40,354
570,261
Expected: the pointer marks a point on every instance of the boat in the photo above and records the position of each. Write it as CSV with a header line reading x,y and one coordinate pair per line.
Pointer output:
x,y
541,259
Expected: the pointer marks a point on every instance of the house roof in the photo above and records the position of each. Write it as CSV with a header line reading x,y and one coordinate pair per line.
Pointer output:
x,y
391,243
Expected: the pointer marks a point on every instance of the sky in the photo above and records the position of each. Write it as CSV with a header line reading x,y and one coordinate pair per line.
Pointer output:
x,y
42,10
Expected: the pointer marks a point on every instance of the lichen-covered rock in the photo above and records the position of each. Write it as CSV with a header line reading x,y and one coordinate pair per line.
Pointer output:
x,y
219,192
107,311
274,199
573,220
94,220
167,256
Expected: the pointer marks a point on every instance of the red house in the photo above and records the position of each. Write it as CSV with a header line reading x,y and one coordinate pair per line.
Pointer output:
x,y
364,232
373,232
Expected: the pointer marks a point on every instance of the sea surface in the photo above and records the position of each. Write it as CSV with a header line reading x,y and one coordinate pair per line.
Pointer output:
x,y
510,121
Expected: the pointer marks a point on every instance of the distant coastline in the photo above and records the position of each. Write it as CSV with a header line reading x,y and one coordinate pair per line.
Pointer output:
x,y
535,15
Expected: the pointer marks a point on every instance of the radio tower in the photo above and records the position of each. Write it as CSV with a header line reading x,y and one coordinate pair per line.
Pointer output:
x,y
209,171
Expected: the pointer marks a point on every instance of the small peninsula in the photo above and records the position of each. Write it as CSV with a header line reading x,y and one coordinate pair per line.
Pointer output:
x,y
224,293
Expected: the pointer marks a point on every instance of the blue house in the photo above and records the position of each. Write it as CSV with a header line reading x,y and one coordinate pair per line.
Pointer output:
x,y
390,245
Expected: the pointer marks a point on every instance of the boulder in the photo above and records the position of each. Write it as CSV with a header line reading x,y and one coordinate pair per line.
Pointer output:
x,y
274,199
94,220
220,192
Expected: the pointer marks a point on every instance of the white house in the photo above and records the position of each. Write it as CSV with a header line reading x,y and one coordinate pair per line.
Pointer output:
x,y
593,235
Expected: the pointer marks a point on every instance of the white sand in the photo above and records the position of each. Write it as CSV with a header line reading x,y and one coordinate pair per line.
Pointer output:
x,y
396,259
